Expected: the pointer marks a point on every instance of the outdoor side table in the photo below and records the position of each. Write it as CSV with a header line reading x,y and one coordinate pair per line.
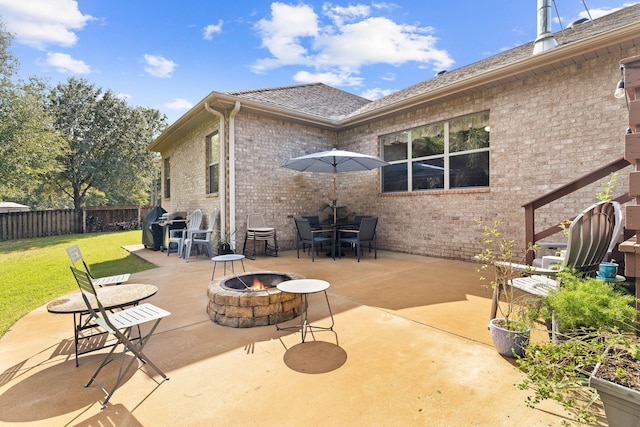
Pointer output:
x,y
112,298
304,287
227,258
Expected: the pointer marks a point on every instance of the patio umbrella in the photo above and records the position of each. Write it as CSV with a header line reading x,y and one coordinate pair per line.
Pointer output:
x,y
334,161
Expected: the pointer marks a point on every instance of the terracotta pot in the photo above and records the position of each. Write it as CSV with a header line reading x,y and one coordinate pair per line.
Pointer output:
x,y
508,343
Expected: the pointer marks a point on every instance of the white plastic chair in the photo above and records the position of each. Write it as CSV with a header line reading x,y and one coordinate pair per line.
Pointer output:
x,y
177,236
74,253
120,324
201,237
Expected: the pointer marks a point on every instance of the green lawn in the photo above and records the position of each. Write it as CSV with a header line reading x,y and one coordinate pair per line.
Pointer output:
x,y
36,271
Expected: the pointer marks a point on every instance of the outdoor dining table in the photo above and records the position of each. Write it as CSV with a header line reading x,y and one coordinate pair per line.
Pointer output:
x,y
336,251
112,298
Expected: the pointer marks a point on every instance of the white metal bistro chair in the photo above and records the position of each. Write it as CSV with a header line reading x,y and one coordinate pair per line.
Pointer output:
x,y
120,324
257,230
76,256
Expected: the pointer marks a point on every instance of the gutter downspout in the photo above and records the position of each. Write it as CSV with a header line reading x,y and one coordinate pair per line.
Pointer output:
x,y
223,178
232,171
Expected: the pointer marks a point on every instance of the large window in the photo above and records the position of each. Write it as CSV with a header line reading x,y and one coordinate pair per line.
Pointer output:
x,y
213,156
438,156
167,178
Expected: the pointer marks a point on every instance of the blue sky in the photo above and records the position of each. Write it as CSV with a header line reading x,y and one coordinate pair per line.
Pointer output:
x,y
169,55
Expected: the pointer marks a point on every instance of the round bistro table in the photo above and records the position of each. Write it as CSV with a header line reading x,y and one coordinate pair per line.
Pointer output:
x,y
112,298
304,287
227,258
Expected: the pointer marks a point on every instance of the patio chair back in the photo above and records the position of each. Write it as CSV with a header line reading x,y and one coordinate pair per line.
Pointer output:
x,y
307,235
201,237
590,235
76,257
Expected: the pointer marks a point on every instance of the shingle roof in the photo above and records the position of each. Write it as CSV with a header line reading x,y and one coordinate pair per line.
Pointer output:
x,y
626,16
317,99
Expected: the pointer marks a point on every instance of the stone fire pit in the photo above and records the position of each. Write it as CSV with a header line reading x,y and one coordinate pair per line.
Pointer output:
x,y
232,303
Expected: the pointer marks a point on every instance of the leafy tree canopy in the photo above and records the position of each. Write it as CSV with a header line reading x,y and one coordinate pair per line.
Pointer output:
x,y
106,140
28,143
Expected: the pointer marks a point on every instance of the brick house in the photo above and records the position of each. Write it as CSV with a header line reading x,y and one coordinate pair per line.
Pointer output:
x,y
498,133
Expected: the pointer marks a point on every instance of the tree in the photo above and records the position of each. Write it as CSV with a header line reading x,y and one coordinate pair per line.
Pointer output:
x,y
28,143
107,159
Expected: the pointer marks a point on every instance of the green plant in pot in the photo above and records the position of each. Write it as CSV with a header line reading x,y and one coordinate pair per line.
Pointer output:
x,y
342,214
597,323
223,243
617,380
510,331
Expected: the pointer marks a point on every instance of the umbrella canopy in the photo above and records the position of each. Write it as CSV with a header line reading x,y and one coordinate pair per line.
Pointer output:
x,y
334,161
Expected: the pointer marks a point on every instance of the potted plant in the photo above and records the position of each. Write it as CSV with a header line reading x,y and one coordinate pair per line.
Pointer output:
x,y
223,243
617,380
597,325
342,214
510,331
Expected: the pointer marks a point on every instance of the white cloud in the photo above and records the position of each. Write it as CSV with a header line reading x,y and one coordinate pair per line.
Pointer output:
x,y
328,78
340,14
376,93
159,66
212,29
64,63
283,33
348,39
39,23
389,77
179,104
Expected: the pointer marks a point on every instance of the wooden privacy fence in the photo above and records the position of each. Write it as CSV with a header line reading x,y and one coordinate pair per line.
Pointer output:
x,y
24,225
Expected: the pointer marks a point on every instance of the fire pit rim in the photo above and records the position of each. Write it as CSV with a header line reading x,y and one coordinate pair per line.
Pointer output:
x,y
273,289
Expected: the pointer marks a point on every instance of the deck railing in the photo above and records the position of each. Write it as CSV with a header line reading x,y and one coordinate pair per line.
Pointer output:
x,y
531,236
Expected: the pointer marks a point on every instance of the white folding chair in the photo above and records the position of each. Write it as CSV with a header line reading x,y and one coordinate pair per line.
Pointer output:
x,y
76,256
119,324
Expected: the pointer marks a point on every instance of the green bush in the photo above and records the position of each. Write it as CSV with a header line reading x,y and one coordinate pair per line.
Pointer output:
x,y
589,304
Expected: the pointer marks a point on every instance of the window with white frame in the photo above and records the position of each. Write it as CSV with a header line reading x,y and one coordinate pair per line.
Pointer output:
x,y
439,156
213,156
167,178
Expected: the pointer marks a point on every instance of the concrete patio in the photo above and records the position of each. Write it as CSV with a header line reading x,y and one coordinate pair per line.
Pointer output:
x,y
410,348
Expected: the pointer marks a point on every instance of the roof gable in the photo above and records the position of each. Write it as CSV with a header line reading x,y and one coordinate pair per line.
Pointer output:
x,y
317,99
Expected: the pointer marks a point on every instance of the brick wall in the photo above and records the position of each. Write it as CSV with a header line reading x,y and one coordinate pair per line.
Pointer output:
x,y
189,174
546,130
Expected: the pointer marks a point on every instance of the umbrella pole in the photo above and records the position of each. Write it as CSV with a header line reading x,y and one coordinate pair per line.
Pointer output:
x,y
335,194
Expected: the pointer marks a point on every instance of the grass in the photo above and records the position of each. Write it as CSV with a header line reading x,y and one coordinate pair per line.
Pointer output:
x,y
36,271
